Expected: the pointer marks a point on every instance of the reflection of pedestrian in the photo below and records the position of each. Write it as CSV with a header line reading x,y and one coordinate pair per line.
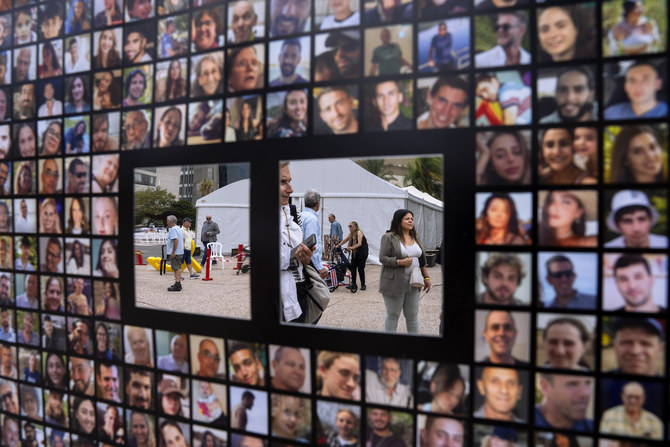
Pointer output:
x,y
175,249
358,247
188,236
208,234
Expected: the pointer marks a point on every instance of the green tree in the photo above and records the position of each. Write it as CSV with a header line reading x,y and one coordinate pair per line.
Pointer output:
x,y
425,174
206,187
183,208
376,166
153,205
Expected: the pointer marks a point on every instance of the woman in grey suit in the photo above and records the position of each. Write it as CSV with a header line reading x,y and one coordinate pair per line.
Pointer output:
x,y
399,252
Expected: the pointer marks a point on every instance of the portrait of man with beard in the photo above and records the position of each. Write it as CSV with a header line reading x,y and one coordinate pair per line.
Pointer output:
x,y
574,96
289,61
501,276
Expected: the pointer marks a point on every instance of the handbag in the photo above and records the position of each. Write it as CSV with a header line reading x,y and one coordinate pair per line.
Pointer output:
x,y
415,277
317,293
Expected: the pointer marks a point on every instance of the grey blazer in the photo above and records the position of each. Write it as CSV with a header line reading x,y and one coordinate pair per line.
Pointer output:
x,y
392,281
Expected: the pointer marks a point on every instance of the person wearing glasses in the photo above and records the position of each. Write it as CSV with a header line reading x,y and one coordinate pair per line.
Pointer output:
x,y
561,276
509,29
209,360
50,176
136,127
77,175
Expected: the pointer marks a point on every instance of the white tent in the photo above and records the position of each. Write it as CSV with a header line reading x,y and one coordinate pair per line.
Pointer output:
x,y
229,207
347,190
351,193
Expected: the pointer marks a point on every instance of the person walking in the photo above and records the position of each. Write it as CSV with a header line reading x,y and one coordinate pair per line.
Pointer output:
x,y
208,234
188,240
175,250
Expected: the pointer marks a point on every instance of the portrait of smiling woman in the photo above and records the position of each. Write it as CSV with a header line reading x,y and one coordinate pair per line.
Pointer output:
x,y
638,155
566,33
556,159
207,74
503,158
292,121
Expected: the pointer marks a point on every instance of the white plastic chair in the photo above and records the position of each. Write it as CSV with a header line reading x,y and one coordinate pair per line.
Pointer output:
x,y
216,252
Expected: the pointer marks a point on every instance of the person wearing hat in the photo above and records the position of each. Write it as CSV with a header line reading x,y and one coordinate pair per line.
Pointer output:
x,y
561,276
639,344
635,282
501,437
630,418
442,432
633,217
346,52
170,396
188,241
564,217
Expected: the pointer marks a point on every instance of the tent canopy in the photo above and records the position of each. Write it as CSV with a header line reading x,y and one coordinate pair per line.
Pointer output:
x,y
347,190
229,207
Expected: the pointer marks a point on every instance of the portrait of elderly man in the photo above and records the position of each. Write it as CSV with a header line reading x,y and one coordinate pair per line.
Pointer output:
x,y
501,275
138,346
243,22
630,418
177,359
136,130
637,345
390,382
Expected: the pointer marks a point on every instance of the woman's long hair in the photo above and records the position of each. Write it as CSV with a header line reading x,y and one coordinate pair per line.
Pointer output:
x,y
196,89
158,132
70,220
151,437
544,133
75,407
284,121
491,177
47,380
172,424
116,255
396,223
113,58
584,22
250,120
621,172
548,234
513,223
79,261
70,97
55,65
179,84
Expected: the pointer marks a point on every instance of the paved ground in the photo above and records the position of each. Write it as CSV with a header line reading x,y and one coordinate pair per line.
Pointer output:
x,y
228,295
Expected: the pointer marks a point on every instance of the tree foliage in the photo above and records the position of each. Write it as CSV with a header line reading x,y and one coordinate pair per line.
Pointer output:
x,y
378,167
153,205
425,174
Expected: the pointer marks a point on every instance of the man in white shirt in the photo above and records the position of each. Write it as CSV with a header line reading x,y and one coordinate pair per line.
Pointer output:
x,y
385,387
23,224
510,28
